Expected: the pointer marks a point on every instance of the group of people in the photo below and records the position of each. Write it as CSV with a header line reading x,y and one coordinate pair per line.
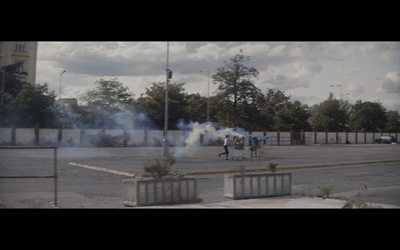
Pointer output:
x,y
239,144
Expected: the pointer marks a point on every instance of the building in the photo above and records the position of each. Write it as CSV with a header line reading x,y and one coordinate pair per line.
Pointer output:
x,y
25,52
67,102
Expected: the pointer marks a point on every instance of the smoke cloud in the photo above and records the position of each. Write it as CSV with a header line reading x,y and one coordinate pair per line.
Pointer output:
x,y
202,134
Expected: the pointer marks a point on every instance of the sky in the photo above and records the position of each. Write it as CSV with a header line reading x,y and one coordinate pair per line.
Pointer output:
x,y
304,71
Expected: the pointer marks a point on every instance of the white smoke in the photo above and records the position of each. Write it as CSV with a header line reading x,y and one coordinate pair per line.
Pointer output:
x,y
201,134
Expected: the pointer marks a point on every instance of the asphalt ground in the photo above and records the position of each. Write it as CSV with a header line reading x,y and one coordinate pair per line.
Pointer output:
x,y
92,177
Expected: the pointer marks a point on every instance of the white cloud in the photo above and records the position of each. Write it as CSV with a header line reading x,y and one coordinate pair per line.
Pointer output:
x,y
356,90
390,83
303,68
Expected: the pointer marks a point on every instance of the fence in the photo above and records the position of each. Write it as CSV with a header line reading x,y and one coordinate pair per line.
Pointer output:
x,y
129,138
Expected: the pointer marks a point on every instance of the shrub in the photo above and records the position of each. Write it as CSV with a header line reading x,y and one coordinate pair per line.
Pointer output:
x,y
324,192
160,168
355,203
272,166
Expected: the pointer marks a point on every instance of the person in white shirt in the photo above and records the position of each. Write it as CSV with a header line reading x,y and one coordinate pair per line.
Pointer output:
x,y
226,143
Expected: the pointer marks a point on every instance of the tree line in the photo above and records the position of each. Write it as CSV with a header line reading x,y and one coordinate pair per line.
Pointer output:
x,y
237,103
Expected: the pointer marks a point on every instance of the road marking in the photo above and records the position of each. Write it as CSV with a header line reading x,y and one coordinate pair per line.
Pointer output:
x,y
231,171
108,170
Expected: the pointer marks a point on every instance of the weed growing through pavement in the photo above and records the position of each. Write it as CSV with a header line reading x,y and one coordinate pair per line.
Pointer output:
x,y
272,166
358,202
324,192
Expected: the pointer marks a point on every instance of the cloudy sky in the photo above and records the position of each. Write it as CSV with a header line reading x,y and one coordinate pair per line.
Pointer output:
x,y
367,71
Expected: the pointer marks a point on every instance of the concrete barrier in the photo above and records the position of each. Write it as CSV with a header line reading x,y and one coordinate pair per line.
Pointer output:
x,y
244,186
159,192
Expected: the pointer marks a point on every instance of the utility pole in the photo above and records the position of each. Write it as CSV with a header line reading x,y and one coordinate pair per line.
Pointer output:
x,y
165,139
3,79
208,94
59,97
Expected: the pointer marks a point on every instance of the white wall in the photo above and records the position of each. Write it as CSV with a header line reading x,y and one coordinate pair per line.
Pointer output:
x,y
77,137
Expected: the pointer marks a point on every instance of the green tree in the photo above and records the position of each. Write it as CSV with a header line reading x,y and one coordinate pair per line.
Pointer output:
x,y
154,104
33,106
238,96
214,108
393,121
14,80
197,108
80,116
273,102
367,116
330,115
105,102
292,116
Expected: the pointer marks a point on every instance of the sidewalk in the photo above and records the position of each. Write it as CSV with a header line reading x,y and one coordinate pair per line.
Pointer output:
x,y
274,203
73,200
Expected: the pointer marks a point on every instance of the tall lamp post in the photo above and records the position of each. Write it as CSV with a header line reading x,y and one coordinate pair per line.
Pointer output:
x,y
61,105
208,94
165,140
59,97
338,85
2,78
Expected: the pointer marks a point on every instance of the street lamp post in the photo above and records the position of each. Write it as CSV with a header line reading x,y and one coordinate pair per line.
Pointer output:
x,y
61,105
338,85
3,79
165,140
208,94
59,97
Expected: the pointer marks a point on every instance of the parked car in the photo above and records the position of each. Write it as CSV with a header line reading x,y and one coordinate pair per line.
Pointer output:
x,y
386,139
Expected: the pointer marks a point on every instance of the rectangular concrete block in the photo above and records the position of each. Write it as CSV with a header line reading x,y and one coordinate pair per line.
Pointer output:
x,y
159,192
244,186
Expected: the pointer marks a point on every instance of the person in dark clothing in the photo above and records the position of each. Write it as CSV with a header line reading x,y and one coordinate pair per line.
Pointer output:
x,y
255,144
226,151
239,142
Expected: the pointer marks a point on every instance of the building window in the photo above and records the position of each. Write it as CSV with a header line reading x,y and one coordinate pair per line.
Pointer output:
x,y
20,66
20,46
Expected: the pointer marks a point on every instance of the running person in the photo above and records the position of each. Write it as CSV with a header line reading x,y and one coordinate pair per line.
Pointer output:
x,y
226,152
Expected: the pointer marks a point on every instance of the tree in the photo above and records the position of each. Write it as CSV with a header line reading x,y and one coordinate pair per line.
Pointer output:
x,y
292,116
367,116
238,95
393,121
196,108
273,102
105,102
13,84
154,104
330,115
33,106
14,79
79,116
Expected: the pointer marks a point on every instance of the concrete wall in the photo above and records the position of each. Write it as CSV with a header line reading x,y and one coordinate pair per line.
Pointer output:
x,y
25,136
159,192
5,136
87,137
244,186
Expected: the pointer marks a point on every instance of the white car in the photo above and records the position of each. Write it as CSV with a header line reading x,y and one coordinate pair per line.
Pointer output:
x,y
386,139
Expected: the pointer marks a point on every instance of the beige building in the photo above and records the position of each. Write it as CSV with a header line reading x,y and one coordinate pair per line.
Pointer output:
x,y
67,102
25,52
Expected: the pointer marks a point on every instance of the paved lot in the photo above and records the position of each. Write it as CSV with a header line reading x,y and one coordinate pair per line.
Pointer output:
x,y
92,177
